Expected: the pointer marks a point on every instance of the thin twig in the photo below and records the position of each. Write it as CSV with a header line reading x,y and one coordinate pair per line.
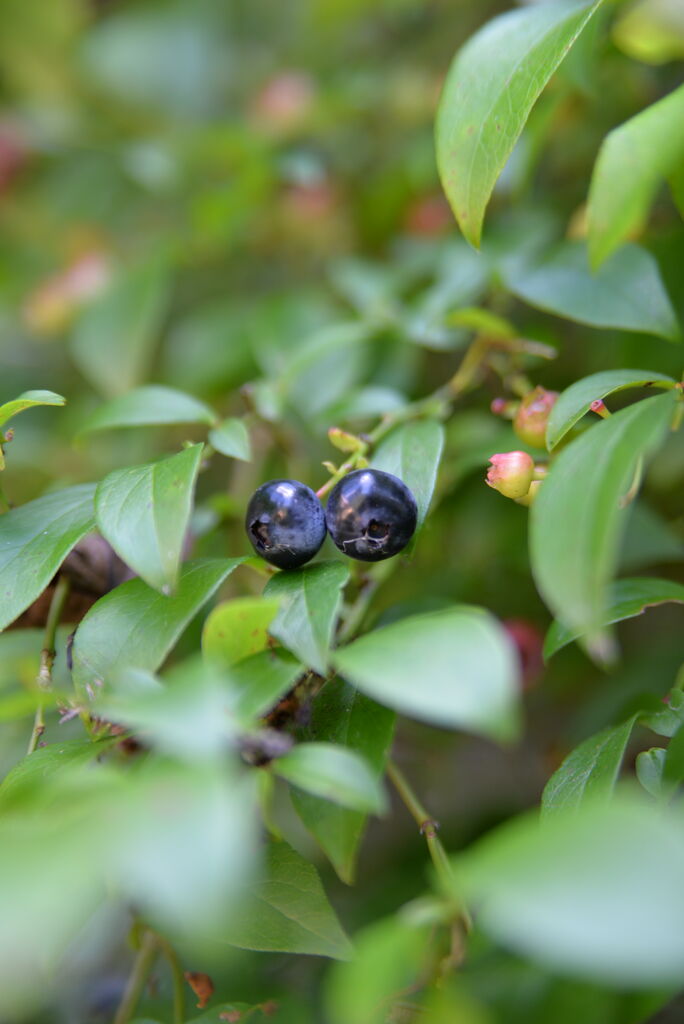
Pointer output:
x,y
142,965
47,657
177,978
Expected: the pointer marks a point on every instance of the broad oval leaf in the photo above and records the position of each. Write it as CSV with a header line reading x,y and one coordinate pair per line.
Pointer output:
x,y
334,773
454,668
590,771
576,400
632,162
412,452
34,541
309,602
627,292
259,681
144,513
489,92
136,626
577,520
231,438
26,401
596,891
238,628
341,714
287,911
627,599
147,406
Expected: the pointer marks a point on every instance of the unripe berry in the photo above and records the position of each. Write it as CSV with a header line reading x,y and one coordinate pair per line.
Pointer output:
x,y
532,416
511,473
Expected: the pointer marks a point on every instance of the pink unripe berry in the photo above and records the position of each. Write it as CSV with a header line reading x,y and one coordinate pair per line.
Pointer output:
x,y
532,416
511,473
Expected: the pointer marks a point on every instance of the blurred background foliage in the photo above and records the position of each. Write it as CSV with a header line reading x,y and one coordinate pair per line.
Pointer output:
x,y
240,199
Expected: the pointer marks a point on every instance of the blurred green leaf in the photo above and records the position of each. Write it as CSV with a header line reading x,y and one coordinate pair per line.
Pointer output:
x,y
231,438
590,772
287,911
144,511
596,891
632,162
462,651
491,87
136,626
34,541
650,766
651,31
149,406
238,628
309,603
412,452
260,680
341,714
627,292
575,401
577,519
115,335
333,772
45,762
26,401
627,598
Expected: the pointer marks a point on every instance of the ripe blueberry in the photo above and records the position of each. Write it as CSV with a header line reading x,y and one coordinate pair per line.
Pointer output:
x,y
285,523
371,515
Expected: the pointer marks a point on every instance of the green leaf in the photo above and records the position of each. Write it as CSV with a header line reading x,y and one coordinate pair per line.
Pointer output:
x,y
668,719
309,603
575,401
231,438
627,292
238,628
627,599
116,333
596,891
590,771
287,911
577,519
462,652
412,452
633,161
144,513
650,765
341,714
149,406
334,773
136,626
45,762
26,401
489,92
34,541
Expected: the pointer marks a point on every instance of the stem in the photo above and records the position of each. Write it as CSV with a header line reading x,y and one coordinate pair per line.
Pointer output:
x,y
177,979
47,656
4,503
142,966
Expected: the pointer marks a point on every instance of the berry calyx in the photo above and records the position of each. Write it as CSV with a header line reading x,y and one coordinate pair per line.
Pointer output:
x,y
285,523
371,515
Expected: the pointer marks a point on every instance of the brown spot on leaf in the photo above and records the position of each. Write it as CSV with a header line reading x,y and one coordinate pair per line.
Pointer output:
x,y
202,986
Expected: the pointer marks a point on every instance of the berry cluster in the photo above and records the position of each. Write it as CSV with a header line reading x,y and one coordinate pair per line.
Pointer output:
x,y
370,515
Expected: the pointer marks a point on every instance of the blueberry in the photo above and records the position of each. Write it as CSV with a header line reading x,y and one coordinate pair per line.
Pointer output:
x,y
285,523
371,515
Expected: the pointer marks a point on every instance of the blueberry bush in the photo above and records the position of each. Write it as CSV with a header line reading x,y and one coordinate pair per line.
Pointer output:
x,y
417,758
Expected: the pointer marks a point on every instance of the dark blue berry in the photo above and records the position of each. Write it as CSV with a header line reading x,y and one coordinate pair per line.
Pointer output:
x,y
371,515
285,523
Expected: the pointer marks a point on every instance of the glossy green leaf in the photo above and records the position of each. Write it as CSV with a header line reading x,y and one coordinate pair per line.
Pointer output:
x,y
627,598
136,626
309,603
632,162
590,771
238,628
334,773
650,765
287,911
489,92
149,406
26,401
596,891
34,541
116,333
343,715
259,681
231,438
627,292
577,519
412,452
144,513
575,401
463,652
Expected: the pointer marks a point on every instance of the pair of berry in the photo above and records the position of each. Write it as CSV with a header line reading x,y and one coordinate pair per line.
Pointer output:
x,y
370,515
